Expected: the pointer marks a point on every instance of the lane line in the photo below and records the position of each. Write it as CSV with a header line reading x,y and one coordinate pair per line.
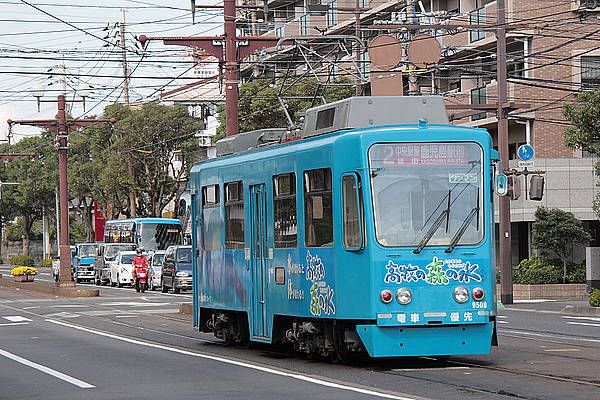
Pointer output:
x,y
238,363
586,318
49,371
551,336
582,323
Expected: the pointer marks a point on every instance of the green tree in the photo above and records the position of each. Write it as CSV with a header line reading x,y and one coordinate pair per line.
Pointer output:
x,y
584,132
160,143
259,107
558,231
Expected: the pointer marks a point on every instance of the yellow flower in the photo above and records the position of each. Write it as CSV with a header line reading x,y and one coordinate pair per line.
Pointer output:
x,y
23,271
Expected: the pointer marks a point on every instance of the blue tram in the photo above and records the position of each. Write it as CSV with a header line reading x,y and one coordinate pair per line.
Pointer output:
x,y
369,229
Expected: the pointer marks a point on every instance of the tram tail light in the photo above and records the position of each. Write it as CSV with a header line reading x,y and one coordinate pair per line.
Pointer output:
x,y
386,296
403,295
478,294
461,294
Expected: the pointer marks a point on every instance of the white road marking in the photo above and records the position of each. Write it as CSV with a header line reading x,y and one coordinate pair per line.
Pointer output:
x,y
49,371
502,316
63,315
586,318
268,370
134,303
426,369
552,336
582,323
502,322
15,323
17,318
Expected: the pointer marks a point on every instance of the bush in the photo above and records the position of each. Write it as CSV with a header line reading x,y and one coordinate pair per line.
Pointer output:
x,y
540,270
1,260
595,298
537,270
46,263
22,260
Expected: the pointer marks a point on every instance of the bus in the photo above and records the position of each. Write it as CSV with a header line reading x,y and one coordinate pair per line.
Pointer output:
x,y
369,230
150,234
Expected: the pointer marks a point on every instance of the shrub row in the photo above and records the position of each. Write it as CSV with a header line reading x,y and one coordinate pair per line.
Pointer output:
x,y
27,261
595,298
540,270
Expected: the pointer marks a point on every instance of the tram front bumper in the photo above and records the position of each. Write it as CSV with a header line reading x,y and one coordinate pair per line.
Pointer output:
x,y
388,341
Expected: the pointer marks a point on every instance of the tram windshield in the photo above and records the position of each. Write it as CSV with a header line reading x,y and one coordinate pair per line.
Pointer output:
x,y
422,189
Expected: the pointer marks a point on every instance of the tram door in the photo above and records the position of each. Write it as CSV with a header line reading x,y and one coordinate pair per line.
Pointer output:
x,y
258,257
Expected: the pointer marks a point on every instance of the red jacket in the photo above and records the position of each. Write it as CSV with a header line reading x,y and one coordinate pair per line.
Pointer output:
x,y
139,261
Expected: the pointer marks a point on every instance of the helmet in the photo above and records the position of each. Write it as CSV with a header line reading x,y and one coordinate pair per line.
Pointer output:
x,y
138,250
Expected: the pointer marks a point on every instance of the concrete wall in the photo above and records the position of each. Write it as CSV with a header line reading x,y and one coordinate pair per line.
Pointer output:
x,y
11,249
548,292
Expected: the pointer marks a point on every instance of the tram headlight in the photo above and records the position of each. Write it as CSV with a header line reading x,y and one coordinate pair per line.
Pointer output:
x,y
461,294
478,294
386,296
403,295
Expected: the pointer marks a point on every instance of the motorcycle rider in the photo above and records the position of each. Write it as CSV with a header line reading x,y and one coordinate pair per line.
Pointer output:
x,y
139,260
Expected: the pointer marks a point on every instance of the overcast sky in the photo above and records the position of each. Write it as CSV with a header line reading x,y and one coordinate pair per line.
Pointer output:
x,y
38,36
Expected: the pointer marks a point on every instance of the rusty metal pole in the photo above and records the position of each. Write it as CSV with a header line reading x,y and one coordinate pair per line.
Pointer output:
x,y
506,281
65,251
357,49
232,72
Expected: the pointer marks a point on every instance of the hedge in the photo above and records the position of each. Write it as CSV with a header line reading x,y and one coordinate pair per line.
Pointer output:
x,y
595,298
540,270
26,261
46,263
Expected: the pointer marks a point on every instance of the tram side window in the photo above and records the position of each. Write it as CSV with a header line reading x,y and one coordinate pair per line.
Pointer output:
x,y
318,208
352,221
234,215
284,210
212,225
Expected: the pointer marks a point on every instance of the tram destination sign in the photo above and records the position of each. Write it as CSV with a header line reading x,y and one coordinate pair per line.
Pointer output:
x,y
422,154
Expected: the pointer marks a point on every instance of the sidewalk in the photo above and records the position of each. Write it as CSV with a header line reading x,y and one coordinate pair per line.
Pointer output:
x,y
568,307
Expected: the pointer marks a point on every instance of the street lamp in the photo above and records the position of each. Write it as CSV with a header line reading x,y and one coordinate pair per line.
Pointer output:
x,y
37,91
84,90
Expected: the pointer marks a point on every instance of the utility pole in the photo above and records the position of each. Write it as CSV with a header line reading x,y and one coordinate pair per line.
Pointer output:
x,y
60,127
236,49
506,281
357,44
124,55
132,209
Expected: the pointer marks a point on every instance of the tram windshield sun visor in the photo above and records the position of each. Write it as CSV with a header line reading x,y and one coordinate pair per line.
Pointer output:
x,y
418,187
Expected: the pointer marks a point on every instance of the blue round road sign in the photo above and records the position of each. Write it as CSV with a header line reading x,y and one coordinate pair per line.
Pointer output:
x,y
525,152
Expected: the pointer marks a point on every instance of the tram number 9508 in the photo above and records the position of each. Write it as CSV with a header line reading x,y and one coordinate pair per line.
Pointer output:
x,y
479,304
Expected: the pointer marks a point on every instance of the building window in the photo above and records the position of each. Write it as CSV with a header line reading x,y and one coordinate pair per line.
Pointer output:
x,y
363,3
318,208
363,63
478,96
279,31
477,17
212,223
234,215
284,211
304,25
332,16
590,71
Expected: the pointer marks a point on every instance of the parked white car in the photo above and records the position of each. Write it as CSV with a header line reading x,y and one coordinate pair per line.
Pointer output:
x,y
120,269
155,262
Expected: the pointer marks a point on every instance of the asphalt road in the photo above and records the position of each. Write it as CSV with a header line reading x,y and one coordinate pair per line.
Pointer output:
x,y
125,345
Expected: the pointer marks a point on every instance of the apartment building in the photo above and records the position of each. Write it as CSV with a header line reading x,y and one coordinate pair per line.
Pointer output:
x,y
553,52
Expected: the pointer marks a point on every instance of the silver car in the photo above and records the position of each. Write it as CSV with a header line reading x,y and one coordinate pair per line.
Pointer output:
x,y
155,262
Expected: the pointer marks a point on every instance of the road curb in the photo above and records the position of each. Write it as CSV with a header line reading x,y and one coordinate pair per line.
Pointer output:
x,y
50,288
577,310
186,308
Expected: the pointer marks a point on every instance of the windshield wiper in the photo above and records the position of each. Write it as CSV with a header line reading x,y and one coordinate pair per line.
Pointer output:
x,y
435,226
464,226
